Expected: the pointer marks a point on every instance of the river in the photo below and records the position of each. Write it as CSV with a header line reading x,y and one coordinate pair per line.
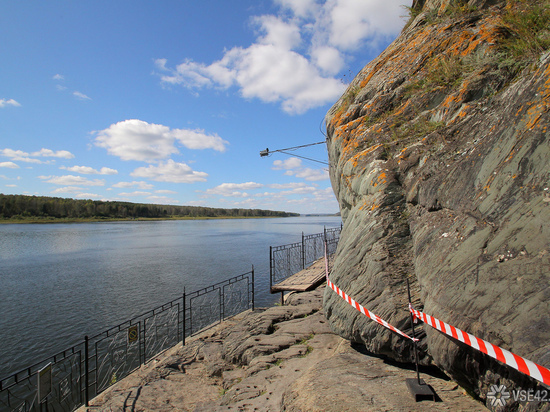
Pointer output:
x,y
60,282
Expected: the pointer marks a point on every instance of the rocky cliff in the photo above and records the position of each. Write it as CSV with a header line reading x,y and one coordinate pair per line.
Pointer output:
x,y
440,159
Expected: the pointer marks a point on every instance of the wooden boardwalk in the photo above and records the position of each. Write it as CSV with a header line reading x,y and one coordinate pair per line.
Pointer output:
x,y
306,279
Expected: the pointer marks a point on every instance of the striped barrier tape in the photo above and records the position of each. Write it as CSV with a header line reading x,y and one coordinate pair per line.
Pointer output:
x,y
359,307
523,365
366,312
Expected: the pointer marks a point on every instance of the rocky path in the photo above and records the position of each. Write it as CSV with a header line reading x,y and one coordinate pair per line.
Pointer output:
x,y
284,358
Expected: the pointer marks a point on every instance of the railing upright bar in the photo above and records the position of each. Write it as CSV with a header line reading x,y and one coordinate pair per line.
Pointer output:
x,y
144,343
222,304
303,252
253,286
86,371
271,268
184,317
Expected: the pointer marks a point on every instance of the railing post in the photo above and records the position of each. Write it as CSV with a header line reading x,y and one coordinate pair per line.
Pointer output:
x,y
221,296
86,372
144,344
271,269
184,316
303,252
253,287
413,333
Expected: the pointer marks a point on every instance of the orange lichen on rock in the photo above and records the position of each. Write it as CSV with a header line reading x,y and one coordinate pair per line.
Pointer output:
x,y
534,114
380,180
355,159
487,186
545,90
488,34
380,63
349,148
453,98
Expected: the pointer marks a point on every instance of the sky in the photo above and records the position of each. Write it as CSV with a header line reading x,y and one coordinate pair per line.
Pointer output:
x,y
171,102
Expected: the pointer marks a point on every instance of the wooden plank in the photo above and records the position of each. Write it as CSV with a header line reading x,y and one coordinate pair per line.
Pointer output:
x,y
304,280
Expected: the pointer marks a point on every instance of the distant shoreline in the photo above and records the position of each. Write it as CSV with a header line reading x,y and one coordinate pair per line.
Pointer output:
x,y
138,219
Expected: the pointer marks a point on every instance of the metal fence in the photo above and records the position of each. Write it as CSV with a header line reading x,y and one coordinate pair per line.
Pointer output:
x,y
286,260
71,378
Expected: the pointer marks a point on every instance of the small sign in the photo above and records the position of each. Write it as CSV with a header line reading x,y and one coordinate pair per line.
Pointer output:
x,y
133,334
44,382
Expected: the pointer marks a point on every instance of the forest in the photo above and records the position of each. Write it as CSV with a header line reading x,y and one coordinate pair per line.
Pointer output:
x,y
36,208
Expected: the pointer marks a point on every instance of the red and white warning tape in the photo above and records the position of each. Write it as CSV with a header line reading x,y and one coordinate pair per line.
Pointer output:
x,y
366,312
359,307
523,365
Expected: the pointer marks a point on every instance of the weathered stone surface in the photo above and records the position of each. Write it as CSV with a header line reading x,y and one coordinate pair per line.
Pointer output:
x,y
441,164
371,384
321,372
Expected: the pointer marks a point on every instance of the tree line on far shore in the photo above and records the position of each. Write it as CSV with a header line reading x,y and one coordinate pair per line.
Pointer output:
x,y
23,207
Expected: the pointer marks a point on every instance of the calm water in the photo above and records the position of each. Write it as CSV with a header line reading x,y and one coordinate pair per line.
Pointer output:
x,y
60,282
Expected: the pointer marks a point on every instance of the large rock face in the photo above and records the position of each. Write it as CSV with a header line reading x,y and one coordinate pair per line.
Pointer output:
x,y
440,160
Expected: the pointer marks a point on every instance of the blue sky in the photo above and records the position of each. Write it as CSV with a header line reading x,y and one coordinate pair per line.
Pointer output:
x,y
171,101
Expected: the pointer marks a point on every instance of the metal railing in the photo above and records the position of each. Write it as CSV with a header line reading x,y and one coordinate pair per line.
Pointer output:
x,y
72,377
286,260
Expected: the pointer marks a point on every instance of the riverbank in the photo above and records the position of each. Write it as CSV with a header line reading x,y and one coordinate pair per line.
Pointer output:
x,y
137,219
273,359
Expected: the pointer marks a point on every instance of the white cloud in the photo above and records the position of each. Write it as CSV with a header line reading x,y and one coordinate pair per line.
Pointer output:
x,y
290,163
264,71
67,189
170,171
19,156
140,185
58,77
87,170
162,200
278,33
312,174
328,59
293,167
136,193
295,185
297,53
71,180
64,154
233,189
300,8
9,165
138,140
9,102
166,192
301,190
197,139
352,22
309,197
81,96
89,196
